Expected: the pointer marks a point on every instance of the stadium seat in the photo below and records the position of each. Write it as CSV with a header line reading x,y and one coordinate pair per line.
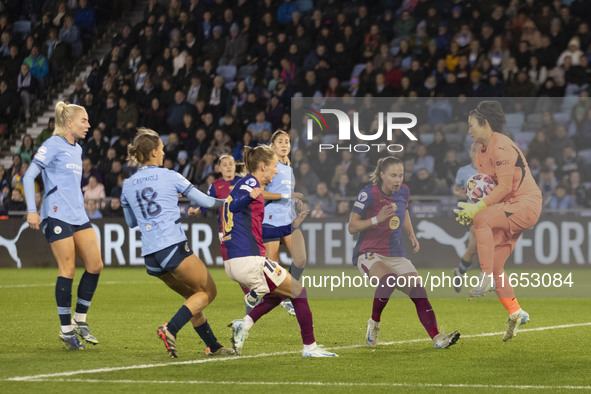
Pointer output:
x,y
455,140
533,121
230,85
21,29
357,69
561,118
246,71
227,72
305,5
524,138
568,103
427,138
585,154
515,122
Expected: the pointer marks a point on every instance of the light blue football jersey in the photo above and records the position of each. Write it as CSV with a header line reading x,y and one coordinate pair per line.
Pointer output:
x,y
61,168
152,194
280,212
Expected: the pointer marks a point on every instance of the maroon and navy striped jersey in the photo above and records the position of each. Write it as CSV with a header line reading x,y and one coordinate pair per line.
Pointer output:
x,y
242,220
221,189
384,238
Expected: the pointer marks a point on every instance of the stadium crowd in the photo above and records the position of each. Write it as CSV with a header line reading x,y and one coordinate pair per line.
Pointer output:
x,y
215,76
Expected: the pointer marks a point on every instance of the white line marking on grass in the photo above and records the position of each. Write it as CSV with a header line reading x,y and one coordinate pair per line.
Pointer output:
x,y
209,360
323,384
112,282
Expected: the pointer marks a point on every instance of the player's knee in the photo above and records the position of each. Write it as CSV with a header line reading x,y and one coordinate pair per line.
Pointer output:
x,y
418,292
97,268
300,261
479,220
297,290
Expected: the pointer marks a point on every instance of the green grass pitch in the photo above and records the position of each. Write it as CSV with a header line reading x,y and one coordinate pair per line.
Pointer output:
x,y
129,306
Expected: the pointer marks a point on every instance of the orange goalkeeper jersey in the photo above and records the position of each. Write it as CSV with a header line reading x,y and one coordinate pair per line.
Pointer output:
x,y
502,157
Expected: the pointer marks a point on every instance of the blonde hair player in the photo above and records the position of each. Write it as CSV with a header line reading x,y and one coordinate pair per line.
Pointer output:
x,y
280,212
63,219
150,202
247,264
379,214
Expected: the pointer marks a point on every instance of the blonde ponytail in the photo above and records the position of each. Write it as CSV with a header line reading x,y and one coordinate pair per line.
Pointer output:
x,y
63,113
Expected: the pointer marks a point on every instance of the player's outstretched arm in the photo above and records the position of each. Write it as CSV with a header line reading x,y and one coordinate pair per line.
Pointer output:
x,y
203,200
277,196
407,225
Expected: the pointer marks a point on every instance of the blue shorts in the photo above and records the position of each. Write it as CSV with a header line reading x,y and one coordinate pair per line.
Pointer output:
x,y
55,229
167,259
272,233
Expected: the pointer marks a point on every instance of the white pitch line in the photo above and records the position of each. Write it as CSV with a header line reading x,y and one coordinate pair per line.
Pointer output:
x,y
53,284
210,360
330,384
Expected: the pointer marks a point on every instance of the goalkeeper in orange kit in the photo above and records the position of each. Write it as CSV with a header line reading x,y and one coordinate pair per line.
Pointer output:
x,y
513,206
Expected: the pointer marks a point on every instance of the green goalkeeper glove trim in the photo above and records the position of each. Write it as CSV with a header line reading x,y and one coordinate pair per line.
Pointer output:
x,y
467,212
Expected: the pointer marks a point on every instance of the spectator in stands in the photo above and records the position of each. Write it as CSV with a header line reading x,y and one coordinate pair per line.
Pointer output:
x,y
26,149
111,176
70,34
220,144
93,190
573,51
196,90
522,86
96,148
9,107
16,202
577,190
577,78
560,199
61,11
547,183
88,171
113,208
218,99
235,48
322,203
92,209
177,109
26,87
307,179
261,124
422,183
569,162
173,146
84,18
127,114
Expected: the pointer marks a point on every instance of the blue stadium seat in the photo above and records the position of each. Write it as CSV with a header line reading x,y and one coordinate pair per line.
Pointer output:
x,y
357,69
246,70
21,29
562,118
227,72
524,138
585,154
533,121
230,85
305,5
515,122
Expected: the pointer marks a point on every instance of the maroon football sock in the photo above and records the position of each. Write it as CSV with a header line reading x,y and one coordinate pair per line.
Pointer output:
x,y
304,316
385,288
418,295
269,302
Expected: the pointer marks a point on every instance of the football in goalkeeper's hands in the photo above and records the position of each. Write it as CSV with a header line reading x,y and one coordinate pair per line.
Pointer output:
x,y
478,187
